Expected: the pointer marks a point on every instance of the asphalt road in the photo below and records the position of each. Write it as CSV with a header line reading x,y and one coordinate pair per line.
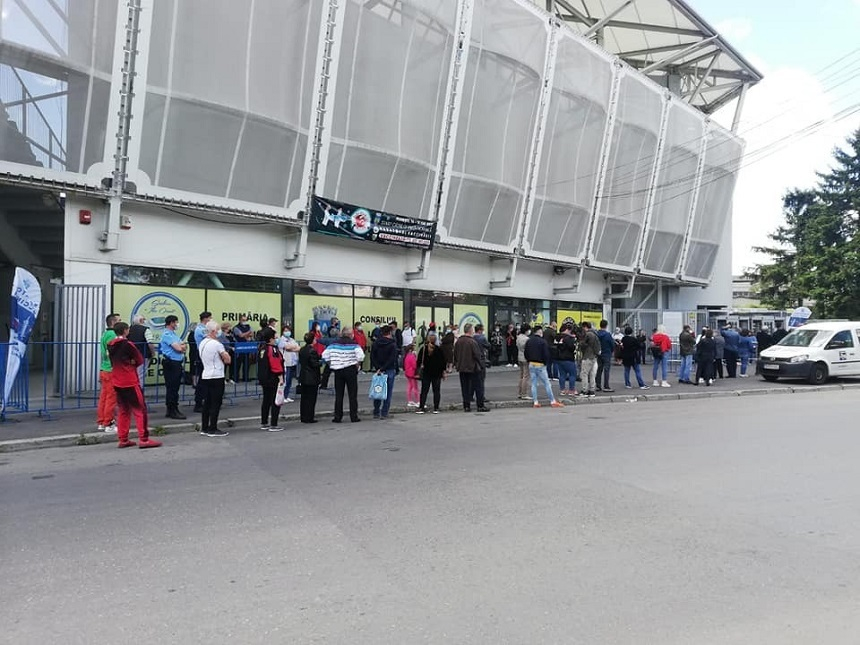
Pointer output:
x,y
710,521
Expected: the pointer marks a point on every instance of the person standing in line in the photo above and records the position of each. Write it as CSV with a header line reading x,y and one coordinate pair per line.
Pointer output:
x,y
763,340
448,341
590,349
511,345
467,361
141,336
537,355
719,353
289,349
497,341
125,358
410,370
431,365
730,352
524,385
213,357
107,395
200,332
485,347
604,359
706,351
567,361
408,335
661,345
746,350
630,359
385,353
361,341
172,358
687,345
397,337
242,333
309,379
779,333
549,336
270,374
642,339
344,356
225,337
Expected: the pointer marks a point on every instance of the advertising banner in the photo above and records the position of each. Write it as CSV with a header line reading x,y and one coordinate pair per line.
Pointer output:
x,y
356,223
799,317
227,306
474,314
321,308
375,311
26,300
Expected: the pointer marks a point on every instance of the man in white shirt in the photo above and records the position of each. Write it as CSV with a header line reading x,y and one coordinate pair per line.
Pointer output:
x,y
213,358
408,334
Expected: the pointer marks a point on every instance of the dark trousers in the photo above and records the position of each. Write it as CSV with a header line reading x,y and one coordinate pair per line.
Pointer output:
x,y
239,366
346,378
471,383
425,389
731,362
718,367
268,409
512,354
213,396
199,392
325,376
705,370
308,402
604,362
172,380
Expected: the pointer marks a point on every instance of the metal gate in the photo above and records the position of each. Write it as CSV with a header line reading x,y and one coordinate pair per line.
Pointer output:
x,y
79,320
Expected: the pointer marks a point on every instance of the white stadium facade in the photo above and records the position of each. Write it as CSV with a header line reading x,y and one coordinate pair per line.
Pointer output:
x,y
444,160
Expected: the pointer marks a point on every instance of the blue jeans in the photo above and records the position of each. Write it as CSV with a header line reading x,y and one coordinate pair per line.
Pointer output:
x,y
566,371
658,362
289,372
540,373
386,404
685,370
745,361
637,371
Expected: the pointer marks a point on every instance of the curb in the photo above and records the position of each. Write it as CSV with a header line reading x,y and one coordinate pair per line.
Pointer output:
x,y
94,438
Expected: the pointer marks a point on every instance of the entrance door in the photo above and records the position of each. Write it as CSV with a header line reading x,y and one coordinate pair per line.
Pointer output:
x,y
434,313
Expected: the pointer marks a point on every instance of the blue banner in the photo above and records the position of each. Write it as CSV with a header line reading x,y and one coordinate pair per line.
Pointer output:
x,y
26,300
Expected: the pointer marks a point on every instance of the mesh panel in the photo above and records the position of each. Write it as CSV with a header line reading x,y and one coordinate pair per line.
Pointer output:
x,y
71,45
564,194
230,116
390,104
673,198
722,161
496,125
631,161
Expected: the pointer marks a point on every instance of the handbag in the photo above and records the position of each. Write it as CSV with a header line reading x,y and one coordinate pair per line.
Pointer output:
x,y
279,395
378,387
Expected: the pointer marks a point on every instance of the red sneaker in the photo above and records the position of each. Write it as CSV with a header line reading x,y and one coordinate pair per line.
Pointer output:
x,y
149,443
126,444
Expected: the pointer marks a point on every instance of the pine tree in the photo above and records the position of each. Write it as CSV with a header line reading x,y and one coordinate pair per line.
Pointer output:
x,y
816,255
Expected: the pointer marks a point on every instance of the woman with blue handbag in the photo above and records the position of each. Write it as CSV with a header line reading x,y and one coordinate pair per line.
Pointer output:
x,y
384,356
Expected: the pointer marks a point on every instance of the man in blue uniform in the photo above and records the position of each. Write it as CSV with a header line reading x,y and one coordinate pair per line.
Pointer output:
x,y
172,357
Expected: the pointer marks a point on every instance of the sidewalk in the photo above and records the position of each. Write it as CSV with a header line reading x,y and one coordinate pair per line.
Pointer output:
x,y
27,431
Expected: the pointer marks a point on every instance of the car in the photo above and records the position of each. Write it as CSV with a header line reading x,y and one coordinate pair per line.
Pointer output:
x,y
814,352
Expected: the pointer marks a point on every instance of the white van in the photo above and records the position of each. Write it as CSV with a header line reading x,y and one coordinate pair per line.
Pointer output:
x,y
815,352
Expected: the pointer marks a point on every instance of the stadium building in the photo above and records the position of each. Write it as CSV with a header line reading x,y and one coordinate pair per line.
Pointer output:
x,y
435,160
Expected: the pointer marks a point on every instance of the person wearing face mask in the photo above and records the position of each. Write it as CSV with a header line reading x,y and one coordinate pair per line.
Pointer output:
x,y
361,341
290,351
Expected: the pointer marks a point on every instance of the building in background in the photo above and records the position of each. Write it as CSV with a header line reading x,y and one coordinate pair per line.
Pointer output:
x,y
504,160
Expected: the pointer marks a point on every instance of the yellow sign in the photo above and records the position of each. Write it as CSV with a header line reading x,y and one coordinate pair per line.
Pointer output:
x,y
376,311
474,314
227,306
578,317
156,303
594,317
568,316
322,309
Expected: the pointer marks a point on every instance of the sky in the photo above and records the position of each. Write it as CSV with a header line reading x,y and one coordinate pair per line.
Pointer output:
x,y
795,45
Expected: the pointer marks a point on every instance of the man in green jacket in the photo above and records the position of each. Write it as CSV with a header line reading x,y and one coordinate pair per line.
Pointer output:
x,y
107,396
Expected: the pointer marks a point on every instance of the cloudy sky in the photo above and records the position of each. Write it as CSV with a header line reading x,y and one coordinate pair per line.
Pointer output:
x,y
796,45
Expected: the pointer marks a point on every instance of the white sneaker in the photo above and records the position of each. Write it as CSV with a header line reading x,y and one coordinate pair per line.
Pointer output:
x,y
701,381
710,381
111,429
288,400
665,384
655,384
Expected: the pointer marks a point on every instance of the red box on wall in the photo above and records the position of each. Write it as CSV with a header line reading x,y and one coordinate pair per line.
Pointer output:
x,y
85,217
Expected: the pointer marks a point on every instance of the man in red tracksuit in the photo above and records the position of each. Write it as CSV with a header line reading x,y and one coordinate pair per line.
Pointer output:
x,y
125,359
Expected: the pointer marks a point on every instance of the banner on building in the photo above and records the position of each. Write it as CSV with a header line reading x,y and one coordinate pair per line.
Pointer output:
x,y
26,300
357,223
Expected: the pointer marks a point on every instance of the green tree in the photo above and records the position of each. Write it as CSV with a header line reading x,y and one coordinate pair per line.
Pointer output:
x,y
816,252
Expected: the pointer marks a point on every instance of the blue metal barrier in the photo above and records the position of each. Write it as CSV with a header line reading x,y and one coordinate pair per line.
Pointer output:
x,y
19,396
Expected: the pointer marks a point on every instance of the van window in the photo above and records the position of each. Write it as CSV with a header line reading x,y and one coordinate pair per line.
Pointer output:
x,y
841,340
800,338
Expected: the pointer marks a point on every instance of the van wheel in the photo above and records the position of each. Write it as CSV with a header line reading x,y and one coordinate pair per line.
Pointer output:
x,y
819,374
770,378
